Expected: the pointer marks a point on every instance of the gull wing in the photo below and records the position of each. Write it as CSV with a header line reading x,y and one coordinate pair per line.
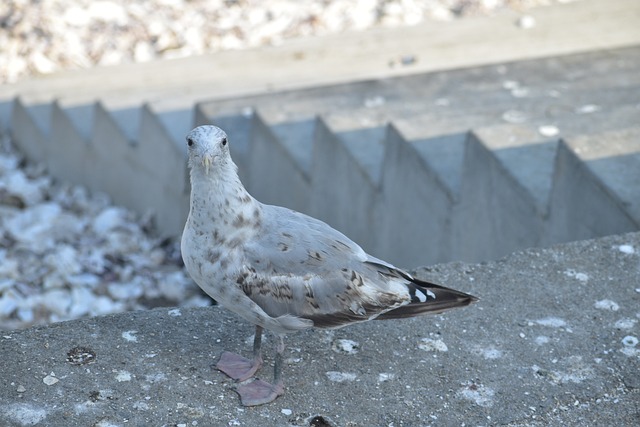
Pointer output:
x,y
307,269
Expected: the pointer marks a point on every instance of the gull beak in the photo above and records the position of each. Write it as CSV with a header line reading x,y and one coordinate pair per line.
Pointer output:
x,y
206,162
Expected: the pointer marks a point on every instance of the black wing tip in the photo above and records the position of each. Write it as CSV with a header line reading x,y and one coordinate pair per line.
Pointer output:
x,y
467,298
434,299
427,288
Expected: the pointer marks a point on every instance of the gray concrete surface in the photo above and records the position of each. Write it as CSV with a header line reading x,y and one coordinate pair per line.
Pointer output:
x,y
467,147
553,342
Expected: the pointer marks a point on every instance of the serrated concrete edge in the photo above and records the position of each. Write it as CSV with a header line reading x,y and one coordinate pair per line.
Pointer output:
x,y
581,205
417,221
135,143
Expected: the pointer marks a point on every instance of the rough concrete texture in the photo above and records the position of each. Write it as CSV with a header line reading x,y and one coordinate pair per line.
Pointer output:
x,y
553,341
485,153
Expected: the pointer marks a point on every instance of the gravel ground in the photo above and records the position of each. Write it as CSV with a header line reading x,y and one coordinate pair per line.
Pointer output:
x,y
66,253
44,36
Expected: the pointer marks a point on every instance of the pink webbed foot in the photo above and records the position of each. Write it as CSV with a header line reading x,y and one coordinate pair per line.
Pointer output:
x,y
238,367
259,392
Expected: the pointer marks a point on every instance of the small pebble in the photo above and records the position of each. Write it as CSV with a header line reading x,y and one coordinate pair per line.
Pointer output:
x,y
345,346
548,131
340,377
384,377
607,304
626,249
429,344
50,380
526,22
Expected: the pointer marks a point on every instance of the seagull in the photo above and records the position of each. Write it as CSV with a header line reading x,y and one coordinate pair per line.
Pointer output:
x,y
282,270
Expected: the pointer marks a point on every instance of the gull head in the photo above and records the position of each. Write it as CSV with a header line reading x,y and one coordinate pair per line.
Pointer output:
x,y
207,147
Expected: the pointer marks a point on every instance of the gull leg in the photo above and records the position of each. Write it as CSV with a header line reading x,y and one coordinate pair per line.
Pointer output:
x,y
238,367
259,392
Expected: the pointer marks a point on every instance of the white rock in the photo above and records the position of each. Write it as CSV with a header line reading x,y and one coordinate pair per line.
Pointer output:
x,y
345,346
25,315
175,285
143,52
107,11
33,225
121,242
384,377
9,302
548,130
583,277
50,380
626,249
6,284
429,344
123,376
125,291
340,377
94,260
625,323
526,22
68,227
63,260
31,192
197,301
8,164
76,16
130,336
53,281
83,280
607,304
57,301
9,267
104,305
554,322
109,219
82,299
41,63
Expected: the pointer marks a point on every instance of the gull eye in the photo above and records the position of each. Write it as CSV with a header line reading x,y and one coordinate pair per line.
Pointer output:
x,y
190,142
224,141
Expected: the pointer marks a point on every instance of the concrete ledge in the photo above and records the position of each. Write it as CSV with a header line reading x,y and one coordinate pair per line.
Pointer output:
x,y
553,341
316,61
